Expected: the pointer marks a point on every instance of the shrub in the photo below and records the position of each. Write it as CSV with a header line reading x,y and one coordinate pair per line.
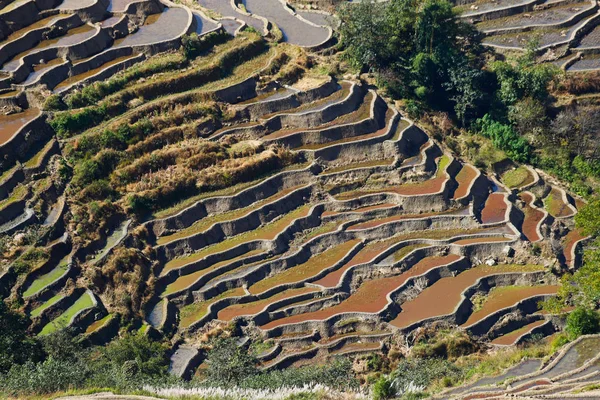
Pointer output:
x,y
194,45
67,123
228,364
383,389
54,103
336,374
414,109
505,138
100,166
582,321
45,377
17,347
149,356
92,94
30,259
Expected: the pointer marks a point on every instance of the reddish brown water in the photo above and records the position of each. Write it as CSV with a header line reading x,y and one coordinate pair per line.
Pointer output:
x,y
494,210
10,124
370,296
482,239
569,243
312,267
506,297
254,307
185,281
510,337
381,221
533,217
361,210
378,222
357,347
464,178
445,295
365,254
78,78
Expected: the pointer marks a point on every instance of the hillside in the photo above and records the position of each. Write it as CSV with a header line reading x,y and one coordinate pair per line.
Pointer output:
x,y
184,172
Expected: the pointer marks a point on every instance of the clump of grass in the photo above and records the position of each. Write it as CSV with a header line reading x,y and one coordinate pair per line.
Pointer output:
x,y
516,177
95,92
30,260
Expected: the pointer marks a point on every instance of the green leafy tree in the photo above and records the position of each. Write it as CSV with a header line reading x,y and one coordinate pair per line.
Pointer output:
x,y
137,353
523,78
228,364
418,50
582,321
16,347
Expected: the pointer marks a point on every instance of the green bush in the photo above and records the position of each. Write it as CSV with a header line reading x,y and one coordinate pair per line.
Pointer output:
x,y
383,389
67,123
54,103
228,364
16,347
582,321
505,138
96,168
31,258
149,356
92,94
127,363
194,45
336,374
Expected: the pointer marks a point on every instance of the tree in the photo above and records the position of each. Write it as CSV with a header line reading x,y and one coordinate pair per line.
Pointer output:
x,y
464,82
418,50
528,117
523,78
576,129
582,321
137,353
16,347
228,364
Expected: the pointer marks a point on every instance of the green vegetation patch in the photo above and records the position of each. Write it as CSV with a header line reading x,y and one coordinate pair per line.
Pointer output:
x,y
517,177
37,311
61,322
46,279
93,327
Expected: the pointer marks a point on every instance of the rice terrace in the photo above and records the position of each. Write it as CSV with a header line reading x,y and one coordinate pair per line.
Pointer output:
x,y
299,199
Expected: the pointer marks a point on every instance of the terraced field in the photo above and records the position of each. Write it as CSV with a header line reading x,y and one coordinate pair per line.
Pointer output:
x,y
311,212
572,374
565,30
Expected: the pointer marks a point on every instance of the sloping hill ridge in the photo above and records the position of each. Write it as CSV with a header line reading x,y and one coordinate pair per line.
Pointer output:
x,y
313,214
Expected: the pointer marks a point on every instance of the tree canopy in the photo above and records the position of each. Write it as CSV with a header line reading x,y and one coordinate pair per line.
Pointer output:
x,y
418,51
